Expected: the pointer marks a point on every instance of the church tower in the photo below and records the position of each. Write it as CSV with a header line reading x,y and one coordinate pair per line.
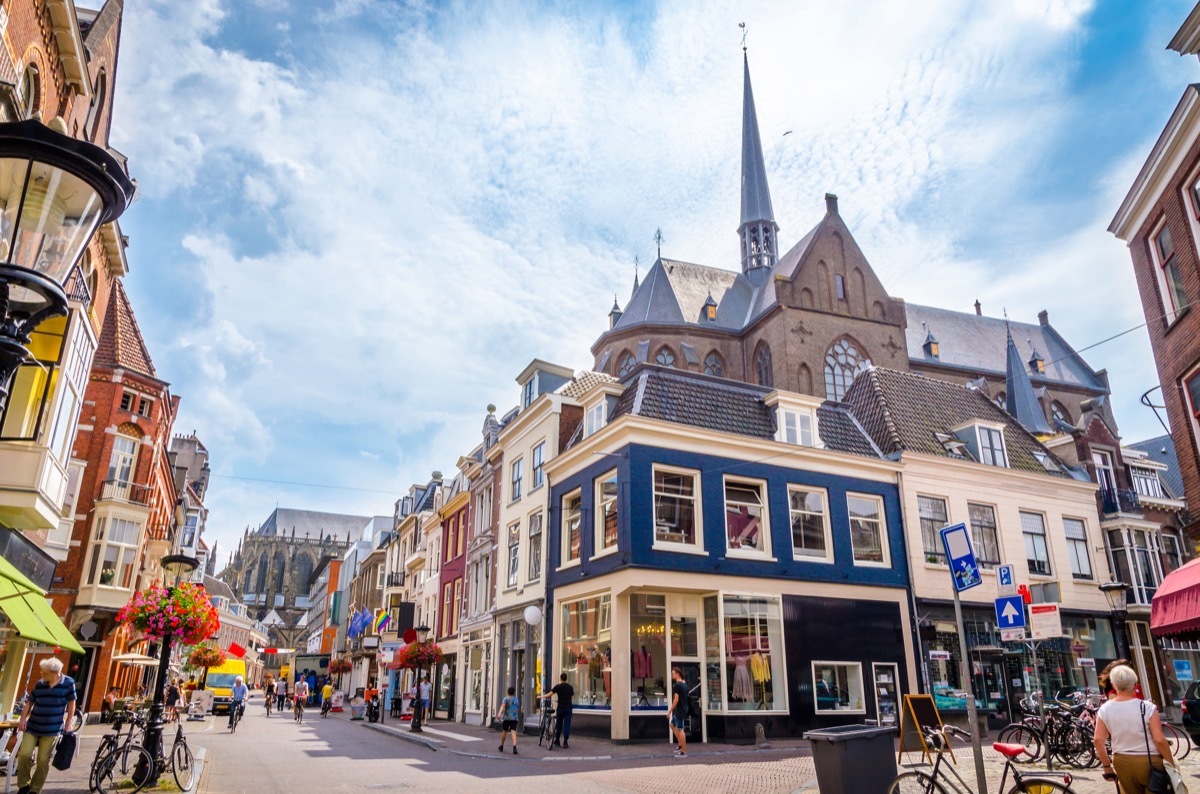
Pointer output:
x,y
758,230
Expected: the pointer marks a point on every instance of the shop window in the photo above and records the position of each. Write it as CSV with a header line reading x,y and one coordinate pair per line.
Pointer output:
x,y
535,547
1077,548
587,651
676,503
837,687
933,519
983,535
747,529
754,654
606,513
1033,527
811,539
649,676
571,512
868,531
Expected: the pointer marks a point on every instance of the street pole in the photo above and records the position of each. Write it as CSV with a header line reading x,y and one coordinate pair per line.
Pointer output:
x,y
969,685
154,726
1037,677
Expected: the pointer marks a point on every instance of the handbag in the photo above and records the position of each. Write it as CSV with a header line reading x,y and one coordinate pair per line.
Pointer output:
x,y
64,751
1160,782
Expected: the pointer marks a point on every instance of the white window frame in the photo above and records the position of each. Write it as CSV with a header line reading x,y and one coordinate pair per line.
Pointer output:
x,y
1166,297
1193,410
983,431
1074,545
696,546
792,421
529,391
599,502
537,458
861,688
535,545
595,416
828,557
513,550
103,540
564,544
1045,542
761,554
516,479
1148,480
883,531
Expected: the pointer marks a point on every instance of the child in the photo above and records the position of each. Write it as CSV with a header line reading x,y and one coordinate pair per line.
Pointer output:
x,y
509,714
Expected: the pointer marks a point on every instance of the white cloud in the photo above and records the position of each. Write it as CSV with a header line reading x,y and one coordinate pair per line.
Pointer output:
x,y
385,234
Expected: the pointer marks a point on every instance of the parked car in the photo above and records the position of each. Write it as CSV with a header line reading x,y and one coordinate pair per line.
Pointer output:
x,y
1191,710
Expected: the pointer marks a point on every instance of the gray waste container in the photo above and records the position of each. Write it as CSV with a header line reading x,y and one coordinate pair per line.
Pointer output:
x,y
854,759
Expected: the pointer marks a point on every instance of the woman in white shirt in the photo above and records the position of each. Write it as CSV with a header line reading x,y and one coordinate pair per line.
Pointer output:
x,y
1132,724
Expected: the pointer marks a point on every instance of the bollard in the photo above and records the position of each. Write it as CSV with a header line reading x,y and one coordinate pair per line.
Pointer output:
x,y
760,736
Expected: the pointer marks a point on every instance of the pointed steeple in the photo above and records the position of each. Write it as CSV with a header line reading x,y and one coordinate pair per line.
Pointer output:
x,y
1020,401
614,316
758,228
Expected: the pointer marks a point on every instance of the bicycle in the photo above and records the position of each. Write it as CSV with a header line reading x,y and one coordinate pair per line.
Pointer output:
x,y
546,727
269,700
1180,742
238,708
121,765
183,763
298,709
936,782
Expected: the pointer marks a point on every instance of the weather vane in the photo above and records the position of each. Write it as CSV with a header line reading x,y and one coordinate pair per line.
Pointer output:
x,y
742,25
658,240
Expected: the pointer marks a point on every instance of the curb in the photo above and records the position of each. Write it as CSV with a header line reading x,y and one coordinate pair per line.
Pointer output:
x,y
432,744
198,756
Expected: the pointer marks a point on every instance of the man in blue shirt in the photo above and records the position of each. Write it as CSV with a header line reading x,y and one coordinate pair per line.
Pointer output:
x,y
49,710
238,692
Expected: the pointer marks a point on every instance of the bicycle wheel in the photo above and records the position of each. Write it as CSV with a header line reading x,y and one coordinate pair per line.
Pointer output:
x,y
107,745
1180,744
126,769
1025,736
183,766
915,783
1039,786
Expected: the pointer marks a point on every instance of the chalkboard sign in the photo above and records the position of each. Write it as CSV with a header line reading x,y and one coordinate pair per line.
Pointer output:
x,y
919,712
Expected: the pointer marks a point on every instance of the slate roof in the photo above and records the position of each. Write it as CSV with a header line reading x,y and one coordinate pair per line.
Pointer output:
x,y
976,343
215,587
342,527
756,195
905,412
121,343
1020,400
724,406
1161,449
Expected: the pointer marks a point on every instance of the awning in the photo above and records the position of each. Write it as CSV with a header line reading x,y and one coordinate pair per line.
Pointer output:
x,y
135,658
1175,609
25,605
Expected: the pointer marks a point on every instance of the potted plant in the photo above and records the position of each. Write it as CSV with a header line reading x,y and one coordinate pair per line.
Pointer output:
x,y
107,575
338,667
183,612
205,656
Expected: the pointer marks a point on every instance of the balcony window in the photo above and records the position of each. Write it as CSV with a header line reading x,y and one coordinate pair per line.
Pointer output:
x,y
676,502
114,552
607,505
811,539
932,511
1077,548
747,529
983,535
1033,528
535,547
1146,482
121,464
868,532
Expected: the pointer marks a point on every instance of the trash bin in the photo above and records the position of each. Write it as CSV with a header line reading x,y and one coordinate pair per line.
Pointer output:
x,y
854,759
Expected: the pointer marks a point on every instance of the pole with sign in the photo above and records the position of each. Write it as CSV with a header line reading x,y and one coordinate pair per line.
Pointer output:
x,y
964,573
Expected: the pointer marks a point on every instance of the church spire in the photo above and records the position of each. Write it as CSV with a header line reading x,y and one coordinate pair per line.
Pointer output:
x,y
758,228
1020,400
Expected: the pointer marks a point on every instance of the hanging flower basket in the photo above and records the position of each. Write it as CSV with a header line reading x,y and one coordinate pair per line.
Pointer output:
x,y
206,656
420,654
184,611
339,666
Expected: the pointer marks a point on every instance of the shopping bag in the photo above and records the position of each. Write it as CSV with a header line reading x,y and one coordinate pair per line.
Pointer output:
x,y
64,751
1177,784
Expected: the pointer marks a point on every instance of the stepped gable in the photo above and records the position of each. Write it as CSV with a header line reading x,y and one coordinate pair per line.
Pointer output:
x,y
121,343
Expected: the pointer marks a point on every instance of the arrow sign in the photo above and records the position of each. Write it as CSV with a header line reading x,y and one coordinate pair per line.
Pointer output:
x,y
1010,612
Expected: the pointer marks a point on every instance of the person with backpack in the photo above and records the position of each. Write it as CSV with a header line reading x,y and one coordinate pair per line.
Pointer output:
x,y
509,715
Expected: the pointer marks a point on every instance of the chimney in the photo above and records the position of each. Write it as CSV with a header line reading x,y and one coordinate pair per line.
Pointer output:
x,y
978,308
831,204
1044,317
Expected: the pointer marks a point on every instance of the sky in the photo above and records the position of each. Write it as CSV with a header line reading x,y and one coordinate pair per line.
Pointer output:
x,y
359,220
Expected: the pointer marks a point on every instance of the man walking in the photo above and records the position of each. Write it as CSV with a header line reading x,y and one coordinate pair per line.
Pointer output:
x,y
281,687
678,712
566,706
49,710
425,690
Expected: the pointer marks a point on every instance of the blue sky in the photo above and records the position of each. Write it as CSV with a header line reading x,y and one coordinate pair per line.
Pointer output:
x,y
360,219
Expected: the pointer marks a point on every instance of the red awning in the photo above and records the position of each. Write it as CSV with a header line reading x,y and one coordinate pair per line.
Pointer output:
x,y
1175,609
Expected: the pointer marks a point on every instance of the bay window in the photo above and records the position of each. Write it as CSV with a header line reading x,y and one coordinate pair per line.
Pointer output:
x,y
114,552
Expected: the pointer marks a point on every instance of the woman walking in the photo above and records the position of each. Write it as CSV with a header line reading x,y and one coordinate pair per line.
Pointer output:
x,y
509,715
1138,744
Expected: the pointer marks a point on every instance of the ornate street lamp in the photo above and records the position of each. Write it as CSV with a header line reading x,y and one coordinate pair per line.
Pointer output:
x,y
55,192
419,712
176,567
1117,594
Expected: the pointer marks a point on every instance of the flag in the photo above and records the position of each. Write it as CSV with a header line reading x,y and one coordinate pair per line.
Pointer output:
x,y
236,650
382,619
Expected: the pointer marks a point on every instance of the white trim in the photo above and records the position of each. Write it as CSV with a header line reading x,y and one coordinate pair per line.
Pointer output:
x,y
862,693
828,559
1166,301
763,553
885,546
1192,410
598,516
564,545
697,544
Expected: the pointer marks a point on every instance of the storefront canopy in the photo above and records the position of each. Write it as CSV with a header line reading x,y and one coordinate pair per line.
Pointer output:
x,y
25,606
1175,610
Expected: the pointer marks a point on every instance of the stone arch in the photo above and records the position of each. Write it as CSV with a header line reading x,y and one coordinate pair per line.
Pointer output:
x,y
260,585
844,359
859,299
33,72
804,383
714,364
840,246
764,369
625,362
806,298
247,578
665,357
303,569
877,311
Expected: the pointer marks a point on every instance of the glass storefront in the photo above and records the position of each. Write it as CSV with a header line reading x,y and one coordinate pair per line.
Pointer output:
x,y
445,691
753,653
586,655
647,638
475,677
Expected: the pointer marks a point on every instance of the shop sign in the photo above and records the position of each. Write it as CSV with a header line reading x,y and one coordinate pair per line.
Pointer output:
x,y
939,656
1045,621
1183,669
1085,662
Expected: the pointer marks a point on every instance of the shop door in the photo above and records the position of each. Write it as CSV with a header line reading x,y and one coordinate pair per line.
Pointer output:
x,y
685,643
695,720
887,693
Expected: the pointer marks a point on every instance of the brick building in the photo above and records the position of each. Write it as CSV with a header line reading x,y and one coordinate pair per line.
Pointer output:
x,y
1160,222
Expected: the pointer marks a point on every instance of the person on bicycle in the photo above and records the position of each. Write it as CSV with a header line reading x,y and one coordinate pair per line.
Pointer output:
x,y
269,694
299,698
238,692
566,705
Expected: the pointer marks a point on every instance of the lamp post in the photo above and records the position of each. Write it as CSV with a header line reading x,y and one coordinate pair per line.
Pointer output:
x,y
419,711
1117,594
55,192
175,567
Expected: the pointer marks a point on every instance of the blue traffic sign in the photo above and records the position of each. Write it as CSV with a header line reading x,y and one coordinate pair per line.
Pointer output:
x,y
963,569
1010,612
1005,572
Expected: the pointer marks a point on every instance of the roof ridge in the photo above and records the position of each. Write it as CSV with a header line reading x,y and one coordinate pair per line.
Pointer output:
x,y
889,424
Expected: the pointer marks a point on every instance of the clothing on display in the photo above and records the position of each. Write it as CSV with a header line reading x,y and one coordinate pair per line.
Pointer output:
x,y
742,690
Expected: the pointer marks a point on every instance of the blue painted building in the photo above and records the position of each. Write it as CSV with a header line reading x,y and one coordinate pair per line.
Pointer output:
x,y
748,536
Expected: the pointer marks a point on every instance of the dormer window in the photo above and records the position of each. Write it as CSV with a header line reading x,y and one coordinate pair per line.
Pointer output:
x,y
991,447
797,427
953,445
1146,482
710,309
931,345
1037,364
1047,462
594,418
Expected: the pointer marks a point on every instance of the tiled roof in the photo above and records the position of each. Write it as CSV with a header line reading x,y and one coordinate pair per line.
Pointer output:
x,y
121,343
724,406
1161,449
903,411
583,382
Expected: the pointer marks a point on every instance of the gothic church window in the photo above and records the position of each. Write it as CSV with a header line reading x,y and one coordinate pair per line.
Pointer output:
x,y
839,285
763,371
261,583
279,564
665,357
304,567
625,364
714,365
842,363
1060,412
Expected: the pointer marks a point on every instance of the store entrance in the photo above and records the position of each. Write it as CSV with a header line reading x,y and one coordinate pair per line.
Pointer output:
x,y
695,720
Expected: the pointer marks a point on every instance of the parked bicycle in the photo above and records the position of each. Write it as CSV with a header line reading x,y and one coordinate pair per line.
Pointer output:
x,y
1066,734
937,782
546,728
121,762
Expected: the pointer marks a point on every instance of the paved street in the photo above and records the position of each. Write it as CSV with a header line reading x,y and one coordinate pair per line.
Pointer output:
x,y
331,755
